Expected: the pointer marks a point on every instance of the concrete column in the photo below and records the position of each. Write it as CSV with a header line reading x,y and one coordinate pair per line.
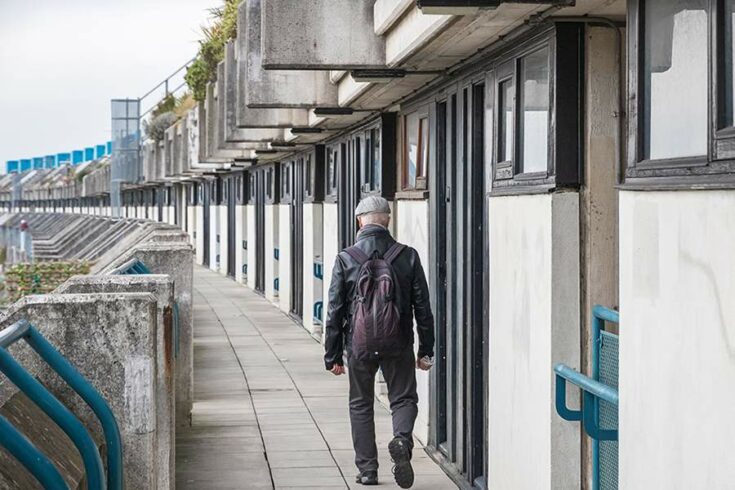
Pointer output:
x,y
111,340
162,287
534,323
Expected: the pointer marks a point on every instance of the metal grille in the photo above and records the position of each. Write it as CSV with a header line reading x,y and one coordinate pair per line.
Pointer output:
x,y
608,450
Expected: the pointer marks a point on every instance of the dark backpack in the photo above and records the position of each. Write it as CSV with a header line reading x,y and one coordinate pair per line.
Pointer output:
x,y
376,320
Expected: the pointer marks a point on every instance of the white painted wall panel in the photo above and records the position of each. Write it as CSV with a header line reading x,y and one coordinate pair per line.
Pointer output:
x,y
313,249
240,239
534,323
224,232
251,241
213,235
199,233
677,339
284,262
331,249
271,243
411,225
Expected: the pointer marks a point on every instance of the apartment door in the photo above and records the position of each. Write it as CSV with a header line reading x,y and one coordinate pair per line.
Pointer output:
x,y
230,182
460,408
297,238
206,198
348,193
259,198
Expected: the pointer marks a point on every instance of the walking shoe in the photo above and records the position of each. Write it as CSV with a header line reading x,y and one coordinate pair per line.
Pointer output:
x,y
367,478
401,456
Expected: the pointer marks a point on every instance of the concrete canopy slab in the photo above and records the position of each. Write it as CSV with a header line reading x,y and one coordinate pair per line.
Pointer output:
x,y
303,35
279,88
236,86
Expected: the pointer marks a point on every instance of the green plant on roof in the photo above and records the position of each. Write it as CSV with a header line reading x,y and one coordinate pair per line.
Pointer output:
x,y
223,27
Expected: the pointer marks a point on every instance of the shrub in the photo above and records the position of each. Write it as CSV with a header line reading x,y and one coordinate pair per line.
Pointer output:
x,y
40,277
156,128
212,48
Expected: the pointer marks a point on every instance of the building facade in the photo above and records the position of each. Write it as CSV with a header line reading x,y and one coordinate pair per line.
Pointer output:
x,y
542,157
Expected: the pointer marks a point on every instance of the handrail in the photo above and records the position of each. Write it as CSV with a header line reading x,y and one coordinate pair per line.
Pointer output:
x,y
132,266
30,457
600,390
61,415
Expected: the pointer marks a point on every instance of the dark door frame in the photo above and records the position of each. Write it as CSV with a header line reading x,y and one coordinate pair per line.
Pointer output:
x,y
230,182
205,219
297,238
259,238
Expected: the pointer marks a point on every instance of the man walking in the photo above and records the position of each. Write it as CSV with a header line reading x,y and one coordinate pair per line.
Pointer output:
x,y
378,287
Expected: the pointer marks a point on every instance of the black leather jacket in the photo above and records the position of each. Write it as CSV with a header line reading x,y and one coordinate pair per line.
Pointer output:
x,y
414,292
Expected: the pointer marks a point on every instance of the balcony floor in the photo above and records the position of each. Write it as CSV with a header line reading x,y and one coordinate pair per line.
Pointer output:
x,y
266,414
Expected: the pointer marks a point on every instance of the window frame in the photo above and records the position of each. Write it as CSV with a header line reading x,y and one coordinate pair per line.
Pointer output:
x,y
422,168
714,169
332,160
566,102
272,188
286,193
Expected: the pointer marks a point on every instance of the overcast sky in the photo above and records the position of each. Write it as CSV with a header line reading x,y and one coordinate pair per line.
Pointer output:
x,y
62,61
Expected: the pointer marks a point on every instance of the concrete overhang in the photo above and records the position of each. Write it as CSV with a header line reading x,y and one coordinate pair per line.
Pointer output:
x,y
226,136
278,88
418,42
320,35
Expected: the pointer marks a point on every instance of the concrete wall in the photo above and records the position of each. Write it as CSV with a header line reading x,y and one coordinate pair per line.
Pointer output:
x,y
677,339
111,340
224,232
272,266
214,227
534,323
411,225
284,226
302,34
162,287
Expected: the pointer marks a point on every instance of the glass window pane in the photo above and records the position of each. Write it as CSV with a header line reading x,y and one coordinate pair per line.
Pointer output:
x,y
412,149
424,128
675,78
377,168
729,28
505,131
534,116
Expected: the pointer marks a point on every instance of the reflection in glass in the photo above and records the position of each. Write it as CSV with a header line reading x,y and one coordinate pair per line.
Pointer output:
x,y
675,79
505,147
729,28
534,116
412,149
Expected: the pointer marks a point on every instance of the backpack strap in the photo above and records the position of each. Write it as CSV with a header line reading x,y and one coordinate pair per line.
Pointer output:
x,y
393,252
357,254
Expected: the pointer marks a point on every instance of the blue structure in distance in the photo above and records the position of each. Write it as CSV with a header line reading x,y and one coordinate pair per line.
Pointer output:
x,y
74,157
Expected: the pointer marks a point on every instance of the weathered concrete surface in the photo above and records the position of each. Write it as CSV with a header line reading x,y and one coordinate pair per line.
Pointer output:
x,y
266,412
303,34
111,340
162,287
279,88
176,260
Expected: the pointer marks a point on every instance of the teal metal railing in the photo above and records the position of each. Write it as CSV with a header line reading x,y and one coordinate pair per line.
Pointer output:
x,y
23,450
600,399
132,266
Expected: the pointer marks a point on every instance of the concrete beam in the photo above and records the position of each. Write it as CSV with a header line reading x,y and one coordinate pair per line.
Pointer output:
x,y
162,287
278,88
320,35
111,340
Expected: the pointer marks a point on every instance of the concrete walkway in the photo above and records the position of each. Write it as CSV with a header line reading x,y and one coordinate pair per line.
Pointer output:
x,y
266,413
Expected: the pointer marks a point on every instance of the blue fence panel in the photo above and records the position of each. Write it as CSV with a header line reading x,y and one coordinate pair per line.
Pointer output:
x,y
62,158
12,166
77,157
25,164
49,161
89,154
100,151
37,162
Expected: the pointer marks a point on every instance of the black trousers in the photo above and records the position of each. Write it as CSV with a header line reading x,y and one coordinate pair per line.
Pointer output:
x,y
400,376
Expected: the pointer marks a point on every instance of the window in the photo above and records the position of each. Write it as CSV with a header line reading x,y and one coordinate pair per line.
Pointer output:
x,y
371,172
682,93
239,189
536,84
415,150
505,121
286,170
675,63
534,113
308,176
332,174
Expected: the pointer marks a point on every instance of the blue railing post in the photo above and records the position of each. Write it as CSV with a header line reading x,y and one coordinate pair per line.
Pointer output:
x,y
30,457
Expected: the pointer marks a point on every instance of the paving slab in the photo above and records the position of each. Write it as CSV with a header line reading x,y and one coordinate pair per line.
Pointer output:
x,y
266,414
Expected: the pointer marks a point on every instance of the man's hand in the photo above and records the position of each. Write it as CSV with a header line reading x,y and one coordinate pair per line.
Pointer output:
x,y
423,365
337,370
